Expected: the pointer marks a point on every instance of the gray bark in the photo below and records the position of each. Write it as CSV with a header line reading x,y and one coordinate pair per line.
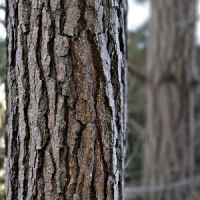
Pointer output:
x,y
65,99
171,69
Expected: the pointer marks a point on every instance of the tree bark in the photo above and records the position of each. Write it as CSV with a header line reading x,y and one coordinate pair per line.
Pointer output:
x,y
171,69
65,99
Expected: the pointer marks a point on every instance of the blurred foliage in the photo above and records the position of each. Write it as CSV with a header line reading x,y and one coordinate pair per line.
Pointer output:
x,y
137,42
2,61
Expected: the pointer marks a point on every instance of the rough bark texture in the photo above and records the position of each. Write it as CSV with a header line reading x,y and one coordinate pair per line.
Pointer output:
x,y
65,99
171,71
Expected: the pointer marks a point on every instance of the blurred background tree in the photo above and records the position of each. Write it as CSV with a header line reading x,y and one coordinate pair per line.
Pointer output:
x,y
171,88
137,129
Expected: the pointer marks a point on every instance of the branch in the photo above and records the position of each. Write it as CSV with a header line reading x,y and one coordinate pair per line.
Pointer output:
x,y
138,142
134,70
137,127
130,191
2,22
134,153
2,7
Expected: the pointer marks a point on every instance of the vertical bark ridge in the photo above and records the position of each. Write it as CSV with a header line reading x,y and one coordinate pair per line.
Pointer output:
x,y
14,143
13,103
26,117
101,166
71,99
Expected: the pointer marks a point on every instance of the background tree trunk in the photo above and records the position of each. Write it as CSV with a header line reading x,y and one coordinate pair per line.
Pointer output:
x,y
171,69
65,99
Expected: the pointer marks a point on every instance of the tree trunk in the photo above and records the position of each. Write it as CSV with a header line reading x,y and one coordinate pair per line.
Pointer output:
x,y
65,99
171,69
